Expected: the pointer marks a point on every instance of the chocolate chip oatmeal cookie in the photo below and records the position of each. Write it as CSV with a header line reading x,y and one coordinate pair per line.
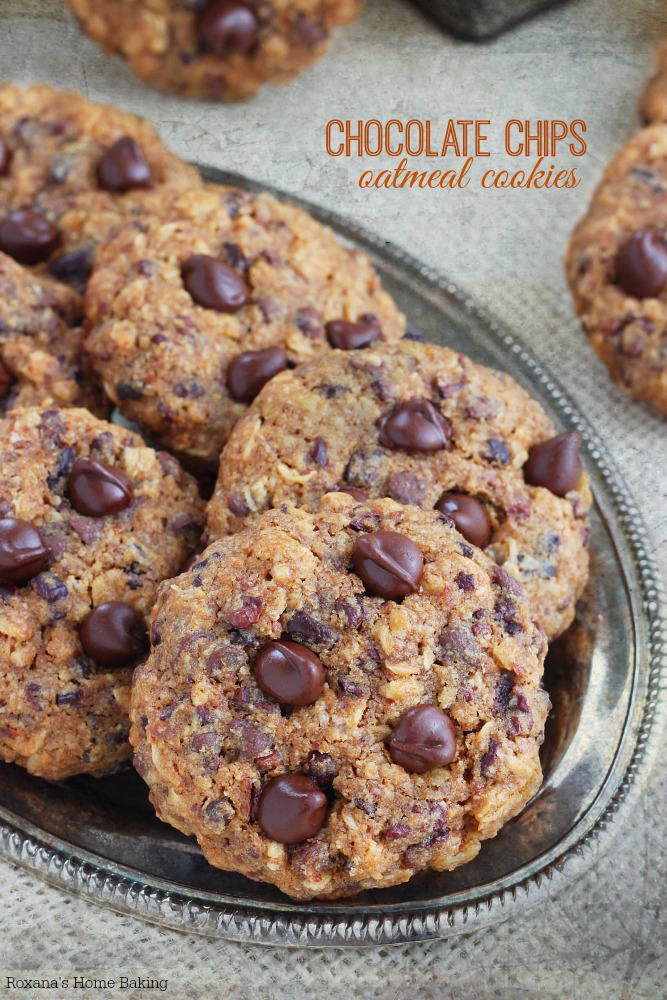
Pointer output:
x,y
195,307
216,49
617,267
69,171
41,338
91,520
337,700
428,427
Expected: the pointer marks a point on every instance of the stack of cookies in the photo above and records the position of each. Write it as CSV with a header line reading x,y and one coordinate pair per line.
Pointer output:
x,y
343,685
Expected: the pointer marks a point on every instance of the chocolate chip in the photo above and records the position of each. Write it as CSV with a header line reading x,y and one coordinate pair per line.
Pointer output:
x,y
6,380
226,27
304,626
248,614
422,739
291,808
74,268
468,515
321,767
23,551
214,284
49,586
97,489
555,464
124,167
114,634
353,492
406,488
348,336
497,451
237,504
249,372
389,564
28,237
290,673
320,452
5,157
641,264
415,426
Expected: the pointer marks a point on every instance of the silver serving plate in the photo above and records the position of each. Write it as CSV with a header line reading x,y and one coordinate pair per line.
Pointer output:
x,y
100,839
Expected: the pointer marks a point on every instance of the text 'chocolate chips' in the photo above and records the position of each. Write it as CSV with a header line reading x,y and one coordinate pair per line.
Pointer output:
x,y
213,284
97,489
291,808
415,426
28,237
114,634
555,464
124,167
388,563
290,673
641,264
5,157
23,552
346,336
227,27
422,739
249,372
468,515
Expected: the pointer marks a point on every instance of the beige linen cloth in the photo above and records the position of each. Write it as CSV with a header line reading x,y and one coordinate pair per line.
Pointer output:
x,y
604,936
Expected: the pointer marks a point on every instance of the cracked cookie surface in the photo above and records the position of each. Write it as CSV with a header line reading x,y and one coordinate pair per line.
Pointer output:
x,y
217,751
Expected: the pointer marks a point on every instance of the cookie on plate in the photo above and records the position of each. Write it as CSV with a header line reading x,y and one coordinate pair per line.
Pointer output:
x,y
41,360
653,104
425,426
91,520
195,307
216,49
69,171
337,700
617,267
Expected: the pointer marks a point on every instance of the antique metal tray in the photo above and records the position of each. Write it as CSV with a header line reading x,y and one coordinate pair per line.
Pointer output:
x,y
100,839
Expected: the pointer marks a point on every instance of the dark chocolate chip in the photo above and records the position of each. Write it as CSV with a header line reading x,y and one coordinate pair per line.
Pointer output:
x,y
406,488
28,237
497,451
226,28
249,372
304,626
353,492
6,380
422,739
415,426
124,167
389,564
23,551
320,452
291,808
5,157
114,634
468,515
290,673
348,336
321,767
641,264
214,284
97,489
555,464
74,268
49,586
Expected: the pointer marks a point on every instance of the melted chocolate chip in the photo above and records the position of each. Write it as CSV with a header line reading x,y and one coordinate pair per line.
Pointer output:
x,y
389,564
28,237
124,167
291,808
415,426
23,552
290,673
422,739
249,372
114,634
555,464
226,28
468,515
348,336
641,264
97,489
214,284
5,157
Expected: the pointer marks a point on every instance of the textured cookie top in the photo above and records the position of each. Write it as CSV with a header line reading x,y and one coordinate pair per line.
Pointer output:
x,y
180,303
416,737
617,267
41,360
219,49
653,103
81,167
88,515
424,425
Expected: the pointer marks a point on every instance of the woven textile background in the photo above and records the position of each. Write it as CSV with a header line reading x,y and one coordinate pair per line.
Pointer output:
x,y
606,935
